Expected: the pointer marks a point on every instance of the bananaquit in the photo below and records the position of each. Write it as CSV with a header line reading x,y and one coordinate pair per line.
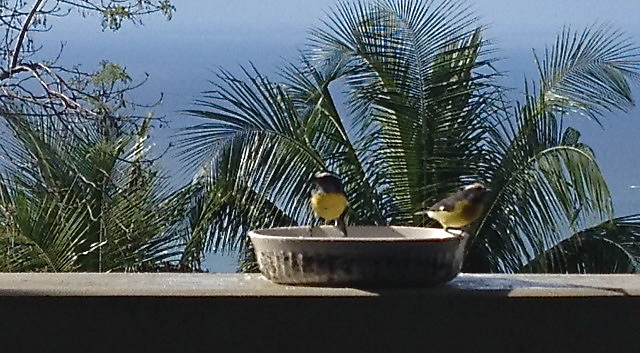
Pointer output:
x,y
460,209
328,199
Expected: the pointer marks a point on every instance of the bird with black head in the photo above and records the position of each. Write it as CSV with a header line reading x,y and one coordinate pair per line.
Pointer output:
x,y
328,199
460,209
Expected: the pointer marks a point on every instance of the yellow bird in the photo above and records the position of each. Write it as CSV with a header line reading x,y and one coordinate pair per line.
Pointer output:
x,y
460,209
328,199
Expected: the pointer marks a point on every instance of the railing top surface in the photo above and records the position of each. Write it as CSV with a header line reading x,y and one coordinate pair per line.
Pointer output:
x,y
254,285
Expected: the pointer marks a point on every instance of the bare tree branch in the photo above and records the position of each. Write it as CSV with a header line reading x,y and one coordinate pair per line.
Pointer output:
x,y
23,34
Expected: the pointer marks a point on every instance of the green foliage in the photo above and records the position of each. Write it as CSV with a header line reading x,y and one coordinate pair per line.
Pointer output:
x,y
106,88
167,9
610,247
113,17
115,12
109,75
79,189
588,71
400,99
85,202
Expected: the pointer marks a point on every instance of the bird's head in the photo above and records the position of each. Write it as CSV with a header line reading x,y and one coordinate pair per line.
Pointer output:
x,y
476,192
322,175
327,182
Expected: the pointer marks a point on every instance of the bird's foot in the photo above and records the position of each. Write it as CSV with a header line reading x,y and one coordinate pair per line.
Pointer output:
x,y
458,232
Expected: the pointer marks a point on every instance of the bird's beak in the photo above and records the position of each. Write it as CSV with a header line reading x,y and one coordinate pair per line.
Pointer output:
x,y
420,213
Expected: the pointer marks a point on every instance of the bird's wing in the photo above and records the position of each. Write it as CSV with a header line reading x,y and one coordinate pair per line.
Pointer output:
x,y
447,204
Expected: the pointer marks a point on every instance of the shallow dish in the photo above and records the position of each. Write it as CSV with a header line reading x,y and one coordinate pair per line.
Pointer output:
x,y
369,256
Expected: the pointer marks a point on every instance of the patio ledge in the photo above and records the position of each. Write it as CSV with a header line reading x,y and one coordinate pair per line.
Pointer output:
x,y
42,312
255,285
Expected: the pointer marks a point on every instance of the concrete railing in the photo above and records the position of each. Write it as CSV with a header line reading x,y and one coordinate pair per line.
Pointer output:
x,y
246,313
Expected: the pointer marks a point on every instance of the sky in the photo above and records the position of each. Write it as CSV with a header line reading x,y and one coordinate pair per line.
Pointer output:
x,y
182,55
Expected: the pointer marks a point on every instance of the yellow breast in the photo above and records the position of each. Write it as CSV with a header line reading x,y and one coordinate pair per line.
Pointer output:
x,y
328,206
463,214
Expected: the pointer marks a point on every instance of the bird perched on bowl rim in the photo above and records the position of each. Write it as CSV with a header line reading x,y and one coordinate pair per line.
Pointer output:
x,y
460,209
328,199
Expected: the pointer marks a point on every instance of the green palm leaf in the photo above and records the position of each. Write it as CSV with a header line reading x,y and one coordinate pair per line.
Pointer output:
x,y
49,234
610,247
557,192
588,71
263,157
399,98
408,69
565,194
88,201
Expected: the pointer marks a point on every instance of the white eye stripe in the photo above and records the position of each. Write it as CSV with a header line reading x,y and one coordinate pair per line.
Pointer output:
x,y
474,186
324,174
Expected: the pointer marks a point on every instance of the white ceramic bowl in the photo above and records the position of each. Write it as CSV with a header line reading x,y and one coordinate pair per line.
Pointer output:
x,y
369,256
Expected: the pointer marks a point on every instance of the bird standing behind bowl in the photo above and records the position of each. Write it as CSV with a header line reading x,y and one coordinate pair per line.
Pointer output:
x,y
460,209
328,199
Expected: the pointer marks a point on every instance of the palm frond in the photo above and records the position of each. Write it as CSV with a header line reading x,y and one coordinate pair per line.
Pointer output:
x,y
328,134
589,71
399,98
544,192
223,209
49,234
263,158
554,197
237,107
102,187
411,70
610,247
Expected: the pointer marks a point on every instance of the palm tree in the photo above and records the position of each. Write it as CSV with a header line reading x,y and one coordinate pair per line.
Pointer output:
x,y
400,98
82,193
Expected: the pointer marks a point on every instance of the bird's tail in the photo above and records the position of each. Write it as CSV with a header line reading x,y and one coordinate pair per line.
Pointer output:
x,y
341,225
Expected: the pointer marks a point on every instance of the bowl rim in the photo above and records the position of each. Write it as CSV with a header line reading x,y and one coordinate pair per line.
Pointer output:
x,y
255,233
